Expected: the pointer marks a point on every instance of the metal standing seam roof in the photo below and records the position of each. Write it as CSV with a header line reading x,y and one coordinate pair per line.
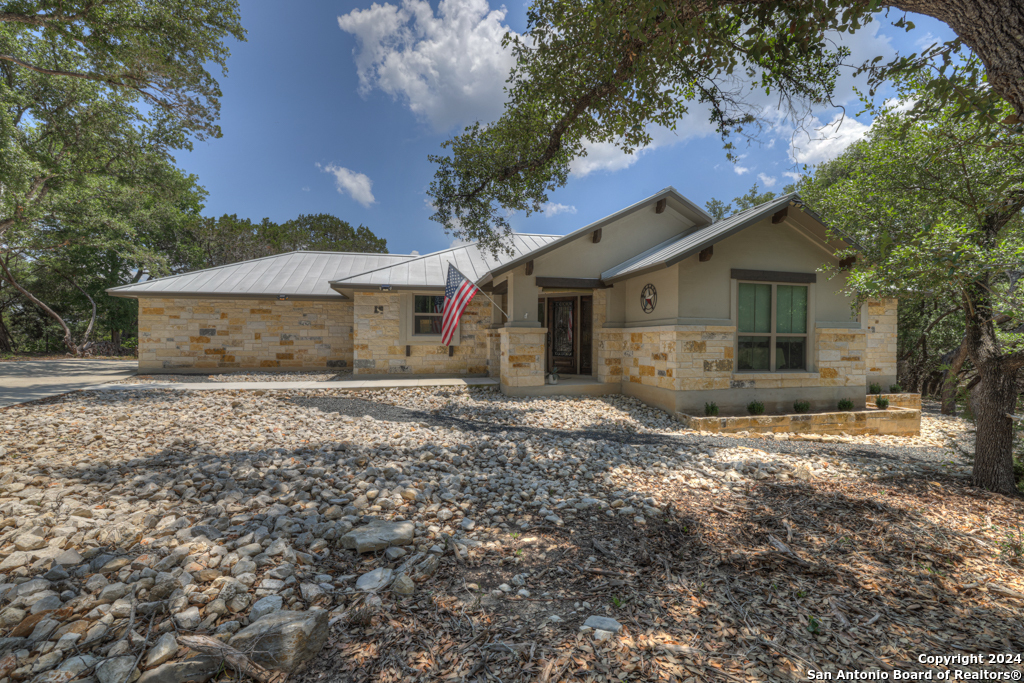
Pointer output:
x,y
430,270
676,249
305,274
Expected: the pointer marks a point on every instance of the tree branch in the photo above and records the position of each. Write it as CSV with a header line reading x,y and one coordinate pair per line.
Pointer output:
x,y
28,295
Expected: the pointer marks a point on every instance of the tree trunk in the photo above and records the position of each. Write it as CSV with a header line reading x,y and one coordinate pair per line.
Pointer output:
x,y
950,383
995,398
115,338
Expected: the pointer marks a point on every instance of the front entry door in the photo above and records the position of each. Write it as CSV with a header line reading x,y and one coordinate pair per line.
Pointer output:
x,y
563,334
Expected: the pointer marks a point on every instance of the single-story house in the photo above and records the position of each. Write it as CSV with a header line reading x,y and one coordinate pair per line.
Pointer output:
x,y
654,301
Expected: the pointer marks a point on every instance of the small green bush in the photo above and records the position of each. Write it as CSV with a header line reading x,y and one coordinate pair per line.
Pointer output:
x,y
755,408
895,389
881,403
711,409
846,404
801,406
875,389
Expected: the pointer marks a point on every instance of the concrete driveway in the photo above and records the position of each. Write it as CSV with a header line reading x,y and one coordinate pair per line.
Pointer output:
x,y
28,380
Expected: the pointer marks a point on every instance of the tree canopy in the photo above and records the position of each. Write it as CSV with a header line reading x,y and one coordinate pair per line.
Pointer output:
x,y
604,72
939,218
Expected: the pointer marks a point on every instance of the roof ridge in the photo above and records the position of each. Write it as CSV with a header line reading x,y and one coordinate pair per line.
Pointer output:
x,y
252,260
435,253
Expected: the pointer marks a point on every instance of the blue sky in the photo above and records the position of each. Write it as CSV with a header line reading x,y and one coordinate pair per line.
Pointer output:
x,y
334,107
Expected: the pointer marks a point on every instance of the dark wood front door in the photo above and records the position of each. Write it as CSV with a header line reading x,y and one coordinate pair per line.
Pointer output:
x,y
569,334
563,339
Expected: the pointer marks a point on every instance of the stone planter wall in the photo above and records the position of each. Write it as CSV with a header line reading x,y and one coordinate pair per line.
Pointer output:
x,y
898,400
898,421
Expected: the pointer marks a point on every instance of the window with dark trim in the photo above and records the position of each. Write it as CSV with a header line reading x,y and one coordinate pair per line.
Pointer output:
x,y
771,327
426,317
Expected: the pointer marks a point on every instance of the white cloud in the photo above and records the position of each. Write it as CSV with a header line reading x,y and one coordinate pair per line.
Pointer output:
x,y
414,253
606,156
767,180
305,189
553,209
356,185
824,142
740,170
457,242
792,176
449,68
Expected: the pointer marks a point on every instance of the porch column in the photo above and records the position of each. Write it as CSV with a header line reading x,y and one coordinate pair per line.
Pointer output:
x,y
522,359
523,295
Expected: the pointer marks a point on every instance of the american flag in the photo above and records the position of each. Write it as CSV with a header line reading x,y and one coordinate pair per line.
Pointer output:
x,y
458,292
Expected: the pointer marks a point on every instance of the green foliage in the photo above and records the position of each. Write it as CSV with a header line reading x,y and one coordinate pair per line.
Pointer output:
x,y
230,239
711,409
755,408
874,388
881,403
719,209
801,406
845,404
813,624
895,389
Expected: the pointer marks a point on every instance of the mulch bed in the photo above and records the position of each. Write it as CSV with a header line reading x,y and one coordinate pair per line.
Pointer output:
x,y
755,586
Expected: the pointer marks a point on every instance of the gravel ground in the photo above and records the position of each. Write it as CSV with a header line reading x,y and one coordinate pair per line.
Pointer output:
x,y
202,511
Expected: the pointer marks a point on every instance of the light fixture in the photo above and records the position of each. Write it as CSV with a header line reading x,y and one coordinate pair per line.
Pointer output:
x,y
282,297
385,288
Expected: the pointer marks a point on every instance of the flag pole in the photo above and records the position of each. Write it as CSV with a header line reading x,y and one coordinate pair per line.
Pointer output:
x,y
478,289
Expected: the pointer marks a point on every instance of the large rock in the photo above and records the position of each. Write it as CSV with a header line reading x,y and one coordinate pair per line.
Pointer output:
x,y
117,670
265,606
375,580
378,535
166,646
283,640
598,622
196,669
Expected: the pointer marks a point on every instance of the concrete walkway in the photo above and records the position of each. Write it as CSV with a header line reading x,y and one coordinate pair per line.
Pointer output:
x,y
29,380
350,384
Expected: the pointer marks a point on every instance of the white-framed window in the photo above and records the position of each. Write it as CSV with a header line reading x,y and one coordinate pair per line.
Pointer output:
x,y
421,318
426,315
771,330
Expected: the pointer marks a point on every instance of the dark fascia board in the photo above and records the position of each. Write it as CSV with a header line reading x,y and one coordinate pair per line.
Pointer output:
x,y
571,282
772,276
700,218
339,286
221,295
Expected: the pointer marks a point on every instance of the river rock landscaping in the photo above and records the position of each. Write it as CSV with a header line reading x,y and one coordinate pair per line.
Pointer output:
x,y
459,534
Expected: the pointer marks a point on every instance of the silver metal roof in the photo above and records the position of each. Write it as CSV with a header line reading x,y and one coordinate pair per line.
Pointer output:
x,y
676,249
430,270
298,274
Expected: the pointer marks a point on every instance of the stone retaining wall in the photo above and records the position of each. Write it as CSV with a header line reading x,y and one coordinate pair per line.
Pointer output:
x,y
898,400
898,421
183,335
880,353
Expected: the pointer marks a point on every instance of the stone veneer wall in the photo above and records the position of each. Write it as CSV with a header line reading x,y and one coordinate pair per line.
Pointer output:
x,y
901,421
522,356
377,349
880,353
181,335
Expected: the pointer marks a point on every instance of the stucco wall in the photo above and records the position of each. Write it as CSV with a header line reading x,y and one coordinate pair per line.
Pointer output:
x,y
183,335
377,351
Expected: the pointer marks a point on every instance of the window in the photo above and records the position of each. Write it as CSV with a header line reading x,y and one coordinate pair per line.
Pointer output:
x,y
772,327
426,318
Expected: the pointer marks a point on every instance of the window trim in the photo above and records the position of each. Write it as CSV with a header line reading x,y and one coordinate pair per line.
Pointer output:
x,y
407,308
772,334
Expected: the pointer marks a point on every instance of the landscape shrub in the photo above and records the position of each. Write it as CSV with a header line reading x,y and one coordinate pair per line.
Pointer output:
x,y
895,389
881,403
846,404
801,406
711,409
755,408
875,389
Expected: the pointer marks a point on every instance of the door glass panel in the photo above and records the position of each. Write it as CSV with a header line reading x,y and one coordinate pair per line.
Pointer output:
x,y
791,309
561,336
790,353
755,308
586,335
753,353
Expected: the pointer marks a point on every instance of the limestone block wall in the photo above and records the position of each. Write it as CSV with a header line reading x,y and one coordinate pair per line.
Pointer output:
x,y
493,352
522,356
880,355
608,344
840,353
194,335
377,348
